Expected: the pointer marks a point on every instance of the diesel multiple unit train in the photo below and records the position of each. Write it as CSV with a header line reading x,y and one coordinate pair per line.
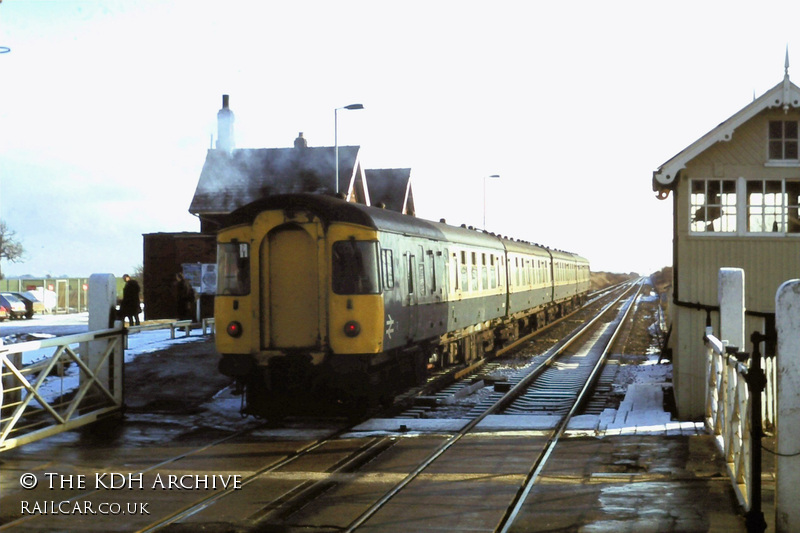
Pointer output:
x,y
344,303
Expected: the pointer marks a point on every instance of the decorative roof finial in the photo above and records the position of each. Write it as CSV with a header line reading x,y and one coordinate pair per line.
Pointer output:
x,y
786,83
786,63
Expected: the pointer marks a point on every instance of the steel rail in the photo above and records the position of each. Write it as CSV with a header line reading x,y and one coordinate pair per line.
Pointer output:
x,y
304,493
455,374
509,396
519,500
170,460
207,501
299,492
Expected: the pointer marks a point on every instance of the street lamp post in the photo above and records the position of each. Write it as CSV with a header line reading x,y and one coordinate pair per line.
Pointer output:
x,y
484,197
336,139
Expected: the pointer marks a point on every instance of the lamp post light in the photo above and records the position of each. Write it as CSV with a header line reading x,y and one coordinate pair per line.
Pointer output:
x,y
484,196
336,139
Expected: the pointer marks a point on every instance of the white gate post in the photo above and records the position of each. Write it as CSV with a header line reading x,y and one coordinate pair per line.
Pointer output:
x,y
730,292
787,420
102,306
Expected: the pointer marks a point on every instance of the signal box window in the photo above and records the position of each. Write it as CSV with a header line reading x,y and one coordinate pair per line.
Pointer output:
x,y
355,267
233,268
773,206
713,206
793,206
765,206
783,140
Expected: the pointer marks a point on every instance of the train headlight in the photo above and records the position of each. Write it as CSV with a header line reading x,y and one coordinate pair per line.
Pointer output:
x,y
234,329
352,328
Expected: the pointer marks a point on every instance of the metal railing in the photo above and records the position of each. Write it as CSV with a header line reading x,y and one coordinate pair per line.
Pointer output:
x,y
207,325
48,397
728,408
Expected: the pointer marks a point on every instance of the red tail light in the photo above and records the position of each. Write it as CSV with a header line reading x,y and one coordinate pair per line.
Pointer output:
x,y
234,329
352,328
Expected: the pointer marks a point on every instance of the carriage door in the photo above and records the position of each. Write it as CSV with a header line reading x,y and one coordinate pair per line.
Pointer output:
x,y
293,290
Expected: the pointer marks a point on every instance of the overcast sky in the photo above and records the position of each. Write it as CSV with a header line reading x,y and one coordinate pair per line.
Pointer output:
x,y
107,110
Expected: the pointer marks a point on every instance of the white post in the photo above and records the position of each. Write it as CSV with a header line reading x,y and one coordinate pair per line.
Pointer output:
x,y
102,315
1,379
730,292
787,419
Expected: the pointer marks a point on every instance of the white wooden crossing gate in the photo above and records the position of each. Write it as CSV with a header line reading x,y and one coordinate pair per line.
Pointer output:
x,y
74,380
63,390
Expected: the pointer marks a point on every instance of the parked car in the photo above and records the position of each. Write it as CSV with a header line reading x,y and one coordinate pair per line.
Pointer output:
x,y
32,304
46,297
3,313
16,309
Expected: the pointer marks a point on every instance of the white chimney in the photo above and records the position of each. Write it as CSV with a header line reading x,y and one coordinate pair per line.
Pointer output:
x,y
225,126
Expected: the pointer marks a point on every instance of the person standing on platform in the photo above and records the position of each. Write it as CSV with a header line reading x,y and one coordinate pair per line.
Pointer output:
x,y
130,306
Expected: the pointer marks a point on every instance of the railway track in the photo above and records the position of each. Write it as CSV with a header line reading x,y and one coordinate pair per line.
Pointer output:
x,y
302,480
532,389
345,467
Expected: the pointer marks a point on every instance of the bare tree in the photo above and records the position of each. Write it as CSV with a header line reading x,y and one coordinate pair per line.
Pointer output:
x,y
10,248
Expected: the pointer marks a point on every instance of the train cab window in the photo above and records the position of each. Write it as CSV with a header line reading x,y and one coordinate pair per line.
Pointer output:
x,y
355,267
233,268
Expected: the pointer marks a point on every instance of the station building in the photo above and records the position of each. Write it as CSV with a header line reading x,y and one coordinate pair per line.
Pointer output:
x,y
736,203
233,177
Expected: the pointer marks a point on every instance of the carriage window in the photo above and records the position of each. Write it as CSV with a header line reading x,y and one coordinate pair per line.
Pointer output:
x,y
387,263
452,267
432,266
464,273
410,274
355,267
233,268
474,272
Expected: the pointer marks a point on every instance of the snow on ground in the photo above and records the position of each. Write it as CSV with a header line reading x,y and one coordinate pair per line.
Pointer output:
x,y
51,326
30,334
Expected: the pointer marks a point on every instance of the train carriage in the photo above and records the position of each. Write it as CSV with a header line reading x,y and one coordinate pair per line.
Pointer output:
x,y
324,298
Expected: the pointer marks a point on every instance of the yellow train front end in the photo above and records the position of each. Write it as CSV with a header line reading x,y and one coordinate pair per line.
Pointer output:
x,y
299,308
